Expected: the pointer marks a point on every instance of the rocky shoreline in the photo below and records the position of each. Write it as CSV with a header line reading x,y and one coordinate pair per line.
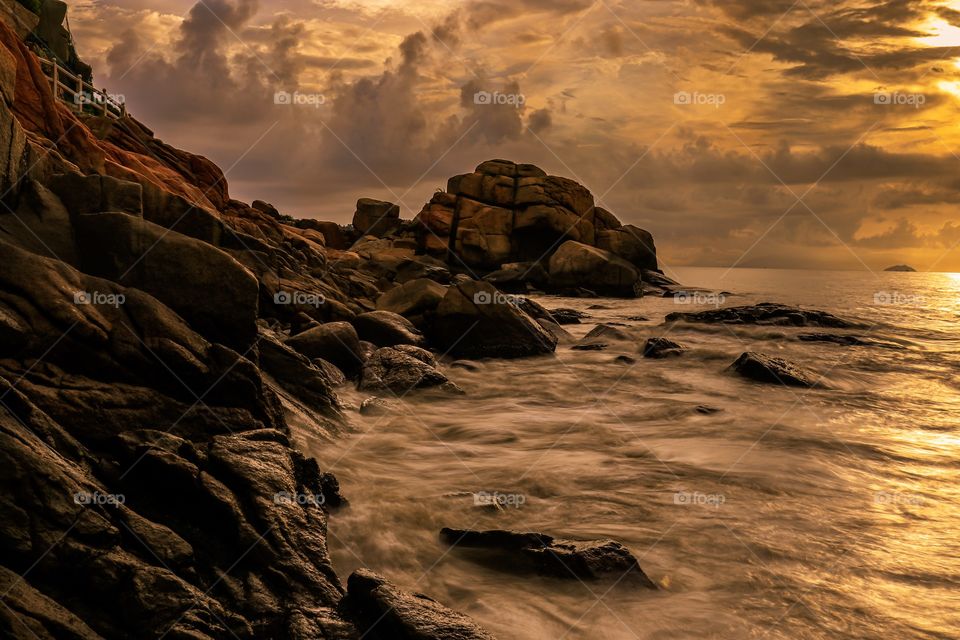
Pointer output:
x,y
157,339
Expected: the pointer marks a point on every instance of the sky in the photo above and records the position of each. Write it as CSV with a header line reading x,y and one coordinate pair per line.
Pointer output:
x,y
748,133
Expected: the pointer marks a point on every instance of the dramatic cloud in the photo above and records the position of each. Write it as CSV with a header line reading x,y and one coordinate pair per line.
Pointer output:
x,y
776,133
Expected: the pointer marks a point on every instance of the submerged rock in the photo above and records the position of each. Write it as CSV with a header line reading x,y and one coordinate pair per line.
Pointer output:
x,y
662,348
847,340
763,368
766,313
561,558
375,407
567,316
382,611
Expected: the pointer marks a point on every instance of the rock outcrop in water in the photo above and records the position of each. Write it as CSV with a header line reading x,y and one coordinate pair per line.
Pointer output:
x,y
569,559
766,313
764,368
901,267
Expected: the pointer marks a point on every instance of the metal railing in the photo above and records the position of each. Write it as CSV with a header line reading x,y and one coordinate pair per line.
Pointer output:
x,y
80,95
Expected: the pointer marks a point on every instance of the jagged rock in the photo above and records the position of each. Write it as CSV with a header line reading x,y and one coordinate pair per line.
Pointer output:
x,y
300,376
662,348
413,298
375,217
210,289
766,313
384,612
335,342
402,369
27,613
579,265
387,329
763,368
572,559
473,322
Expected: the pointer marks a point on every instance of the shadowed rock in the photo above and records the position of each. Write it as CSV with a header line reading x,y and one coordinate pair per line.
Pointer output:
x,y
402,369
335,342
387,329
384,612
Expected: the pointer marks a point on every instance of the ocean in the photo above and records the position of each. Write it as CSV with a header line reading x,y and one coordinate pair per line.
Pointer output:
x,y
763,511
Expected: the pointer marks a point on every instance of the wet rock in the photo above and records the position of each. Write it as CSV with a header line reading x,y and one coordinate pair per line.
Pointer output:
x,y
601,337
473,322
846,340
413,298
629,360
300,376
763,368
387,329
335,342
466,365
400,370
765,314
662,348
707,410
375,217
384,612
375,407
562,335
572,559
567,316
579,265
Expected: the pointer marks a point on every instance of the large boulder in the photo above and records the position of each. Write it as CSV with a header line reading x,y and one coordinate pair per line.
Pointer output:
x,y
579,265
211,290
387,329
383,612
402,369
375,217
335,342
474,321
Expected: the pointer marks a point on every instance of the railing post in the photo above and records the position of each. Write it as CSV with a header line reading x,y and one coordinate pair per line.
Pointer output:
x,y
56,81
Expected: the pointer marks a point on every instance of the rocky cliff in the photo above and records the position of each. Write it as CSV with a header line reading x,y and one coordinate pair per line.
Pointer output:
x,y
156,336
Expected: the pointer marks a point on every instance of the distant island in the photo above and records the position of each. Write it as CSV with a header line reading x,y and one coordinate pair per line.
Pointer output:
x,y
901,267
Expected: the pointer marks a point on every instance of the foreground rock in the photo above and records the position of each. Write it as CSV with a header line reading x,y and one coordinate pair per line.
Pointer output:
x,y
402,369
474,322
763,368
383,612
766,313
662,348
573,559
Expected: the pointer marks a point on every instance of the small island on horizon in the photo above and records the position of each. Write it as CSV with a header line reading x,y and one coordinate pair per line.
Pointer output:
x,y
901,267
